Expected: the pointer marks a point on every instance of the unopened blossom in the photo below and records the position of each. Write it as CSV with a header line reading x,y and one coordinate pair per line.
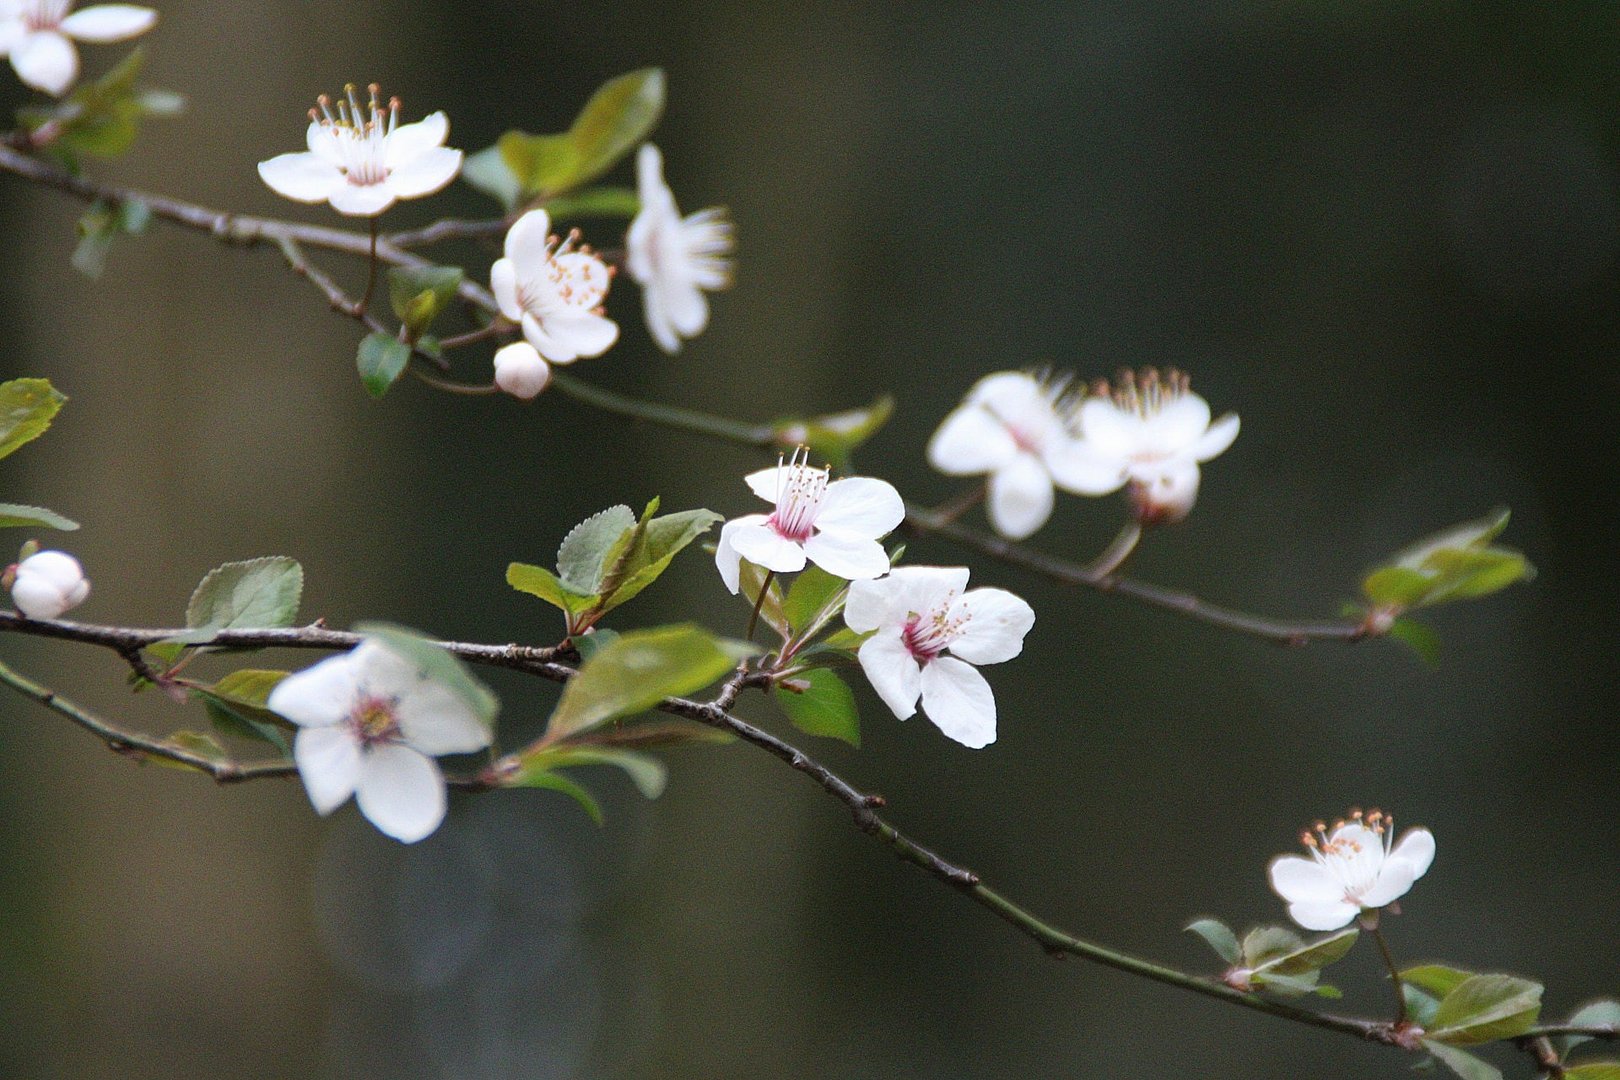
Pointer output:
x,y
371,725
1353,868
361,159
835,524
38,36
554,287
916,615
47,584
1150,431
1019,429
520,370
674,258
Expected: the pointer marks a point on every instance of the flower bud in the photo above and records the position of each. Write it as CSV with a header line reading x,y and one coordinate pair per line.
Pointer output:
x,y
47,584
1165,498
521,371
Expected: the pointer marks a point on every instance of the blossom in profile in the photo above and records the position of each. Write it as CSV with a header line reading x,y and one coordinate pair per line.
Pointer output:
x,y
915,616
48,584
1019,429
835,525
371,724
1354,868
361,159
38,36
520,370
674,259
553,288
1151,431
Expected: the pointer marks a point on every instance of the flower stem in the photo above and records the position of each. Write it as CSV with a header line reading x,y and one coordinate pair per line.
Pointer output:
x,y
371,269
764,588
470,389
1394,972
1114,556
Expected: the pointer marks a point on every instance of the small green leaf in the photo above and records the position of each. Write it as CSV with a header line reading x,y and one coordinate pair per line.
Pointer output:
x,y
1484,1008
1289,985
1266,943
593,641
656,733
835,436
538,581
1219,937
1469,534
236,706
487,172
582,560
254,595
820,703
845,640
1395,586
618,116
812,592
1597,1014
1437,979
435,664
381,360
1453,564
1420,1005
27,407
1594,1070
17,516
1311,956
193,742
539,778
652,546
1419,637
636,672
98,227
1461,1062
612,202
646,772
419,293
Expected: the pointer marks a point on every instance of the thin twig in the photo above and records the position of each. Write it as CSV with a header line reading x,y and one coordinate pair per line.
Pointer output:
x,y
449,229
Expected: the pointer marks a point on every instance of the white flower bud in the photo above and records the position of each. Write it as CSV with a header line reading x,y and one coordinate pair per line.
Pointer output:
x,y
521,371
49,583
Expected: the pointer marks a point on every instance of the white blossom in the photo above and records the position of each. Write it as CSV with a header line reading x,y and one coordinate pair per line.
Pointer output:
x,y
554,290
361,159
48,584
1353,868
835,525
371,724
1020,430
917,614
1151,432
38,36
520,370
674,258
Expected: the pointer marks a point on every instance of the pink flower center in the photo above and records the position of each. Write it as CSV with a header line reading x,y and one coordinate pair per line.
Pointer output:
x,y
929,634
800,492
373,720
40,15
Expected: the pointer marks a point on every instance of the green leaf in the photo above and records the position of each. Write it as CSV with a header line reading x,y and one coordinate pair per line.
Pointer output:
x,y
812,592
1597,1014
846,640
1437,979
654,543
1309,957
98,228
538,581
1469,534
1484,1008
381,360
582,560
614,202
1465,575
419,294
593,641
835,436
539,778
1395,586
436,664
27,407
751,578
1461,1062
1219,937
824,706
661,732
1594,1070
618,116
1290,985
1419,637
646,772
487,172
254,595
1420,1005
193,742
1453,564
1267,943
15,516
236,706
636,672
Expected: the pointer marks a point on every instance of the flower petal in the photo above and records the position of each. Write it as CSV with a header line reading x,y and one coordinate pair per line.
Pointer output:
x,y
726,558
1215,441
503,283
764,546
959,702
650,186
1323,914
527,241
319,696
1394,881
768,483
847,555
46,61
1178,424
1080,469
401,792
1416,846
38,598
12,29
685,306
1111,431
304,177
436,721
426,173
1016,397
1020,497
361,200
328,761
892,671
520,370
576,335
907,590
997,623
109,22
411,141
861,506
659,323
1299,880
971,441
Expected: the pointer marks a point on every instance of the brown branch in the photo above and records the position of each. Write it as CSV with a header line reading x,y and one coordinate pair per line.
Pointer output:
x,y
449,229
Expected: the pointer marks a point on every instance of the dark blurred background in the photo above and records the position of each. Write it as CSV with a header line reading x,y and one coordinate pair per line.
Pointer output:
x,y
1385,233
